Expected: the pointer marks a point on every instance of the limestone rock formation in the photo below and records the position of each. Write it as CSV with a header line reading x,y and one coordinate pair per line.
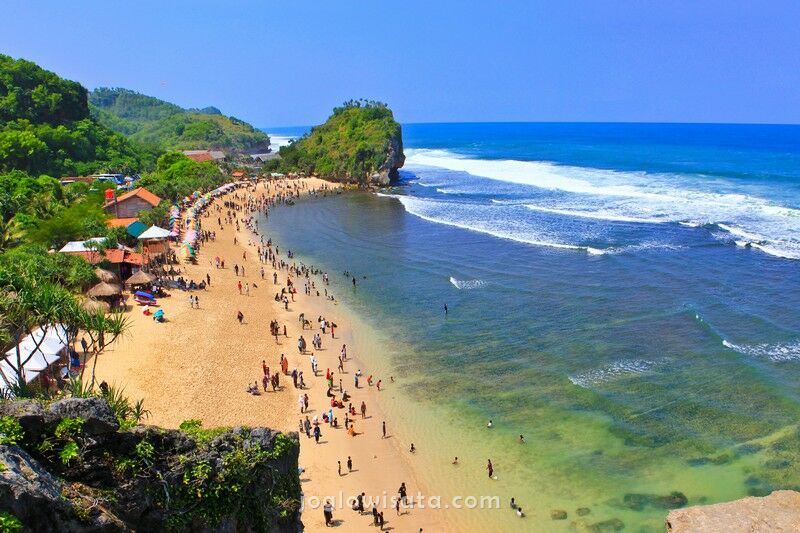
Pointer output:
x,y
778,512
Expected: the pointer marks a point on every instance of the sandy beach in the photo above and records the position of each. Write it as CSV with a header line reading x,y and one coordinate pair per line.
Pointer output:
x,y
199,363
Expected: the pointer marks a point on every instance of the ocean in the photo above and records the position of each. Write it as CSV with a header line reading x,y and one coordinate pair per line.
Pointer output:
x,y
626,296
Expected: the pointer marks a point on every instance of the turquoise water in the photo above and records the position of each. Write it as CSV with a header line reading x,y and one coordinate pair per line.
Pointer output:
x,y
624,296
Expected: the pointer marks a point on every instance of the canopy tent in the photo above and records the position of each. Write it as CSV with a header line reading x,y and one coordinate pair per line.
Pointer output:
x,y
104,289
140,278
154,232
136,229
80,246
37,352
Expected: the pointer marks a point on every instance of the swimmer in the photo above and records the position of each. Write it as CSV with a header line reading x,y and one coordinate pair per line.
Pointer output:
x,y
490,424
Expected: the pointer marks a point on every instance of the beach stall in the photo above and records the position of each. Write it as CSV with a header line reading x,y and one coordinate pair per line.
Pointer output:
x,y
155,240
37,352
140,278
106,291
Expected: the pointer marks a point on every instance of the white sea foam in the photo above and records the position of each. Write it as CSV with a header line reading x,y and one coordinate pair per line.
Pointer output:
x,y
276,141
637,197
773,352
614,371
463,216
598,215
467,284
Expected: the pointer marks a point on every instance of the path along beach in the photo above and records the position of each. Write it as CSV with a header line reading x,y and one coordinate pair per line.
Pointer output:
x,y
199,364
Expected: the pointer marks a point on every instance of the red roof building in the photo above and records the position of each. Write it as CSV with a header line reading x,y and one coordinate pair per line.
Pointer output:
x,y
129,204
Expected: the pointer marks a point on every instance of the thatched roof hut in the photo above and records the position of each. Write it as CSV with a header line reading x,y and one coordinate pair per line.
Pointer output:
x,y
140,278
106,275
104,290
94,305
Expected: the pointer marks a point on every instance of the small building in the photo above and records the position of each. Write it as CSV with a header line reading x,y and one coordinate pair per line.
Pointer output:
x,y
133,225
204,155
131,203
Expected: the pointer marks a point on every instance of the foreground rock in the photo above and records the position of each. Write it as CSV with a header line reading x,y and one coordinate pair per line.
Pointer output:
x,y
780,511
68,467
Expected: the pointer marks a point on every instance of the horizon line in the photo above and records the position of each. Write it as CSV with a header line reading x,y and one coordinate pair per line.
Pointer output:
x,y
594,122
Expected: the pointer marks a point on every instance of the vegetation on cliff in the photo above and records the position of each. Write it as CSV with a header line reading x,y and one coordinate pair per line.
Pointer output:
x,y
45,127
360,142
84,463
148,120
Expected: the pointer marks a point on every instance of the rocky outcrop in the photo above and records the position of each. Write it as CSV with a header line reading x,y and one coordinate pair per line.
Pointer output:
x,y
395,159
75,470
780,511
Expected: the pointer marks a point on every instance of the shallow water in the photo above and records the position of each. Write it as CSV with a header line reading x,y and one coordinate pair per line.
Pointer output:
x,y
613,367
626,297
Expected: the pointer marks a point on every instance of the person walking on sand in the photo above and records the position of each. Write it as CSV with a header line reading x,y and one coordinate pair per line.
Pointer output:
x,y
402,491
240,317
239,284
349,464
339,463
383,427
317,434
363,410
490,468
328,511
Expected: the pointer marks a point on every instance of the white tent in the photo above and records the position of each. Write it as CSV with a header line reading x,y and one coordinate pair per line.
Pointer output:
x,y
80,246
37,352
154,232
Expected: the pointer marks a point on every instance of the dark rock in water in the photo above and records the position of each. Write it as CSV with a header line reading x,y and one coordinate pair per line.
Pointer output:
x,y
777,464
672,501
749,449
698,461
583,511
637,502
29,413
98,417
607,526
558,514
722,459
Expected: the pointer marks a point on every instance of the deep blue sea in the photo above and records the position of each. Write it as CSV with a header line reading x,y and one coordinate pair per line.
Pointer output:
x,y
625,295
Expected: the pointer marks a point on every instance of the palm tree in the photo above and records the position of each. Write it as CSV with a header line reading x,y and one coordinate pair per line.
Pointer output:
x,y
10,234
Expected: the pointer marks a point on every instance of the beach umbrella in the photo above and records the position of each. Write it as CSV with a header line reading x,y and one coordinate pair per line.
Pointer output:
x,y
140,278
94,305
106,275
104,289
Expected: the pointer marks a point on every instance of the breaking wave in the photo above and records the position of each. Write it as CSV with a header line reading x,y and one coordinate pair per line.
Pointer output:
x,y
777,353
467,284
614,371
742,213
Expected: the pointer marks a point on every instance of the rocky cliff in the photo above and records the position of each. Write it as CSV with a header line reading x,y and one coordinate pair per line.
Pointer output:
x,y
780,511
395,159
360,143
68,466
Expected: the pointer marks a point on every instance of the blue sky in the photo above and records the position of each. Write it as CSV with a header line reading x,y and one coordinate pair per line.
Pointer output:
x,y
288,62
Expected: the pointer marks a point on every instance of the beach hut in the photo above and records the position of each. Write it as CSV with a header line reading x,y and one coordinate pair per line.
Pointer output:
x,y
91,304
140,278
106,275
155,240
105,290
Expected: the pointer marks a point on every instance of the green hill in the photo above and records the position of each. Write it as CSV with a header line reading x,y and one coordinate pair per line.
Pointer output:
x,y
45,127
149,120
359,143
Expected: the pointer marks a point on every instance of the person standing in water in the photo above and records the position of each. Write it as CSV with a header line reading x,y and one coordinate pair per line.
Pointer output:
x,y
445,309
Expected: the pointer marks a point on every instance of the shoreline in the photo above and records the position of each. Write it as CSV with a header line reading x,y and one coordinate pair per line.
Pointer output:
x,y
184,367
